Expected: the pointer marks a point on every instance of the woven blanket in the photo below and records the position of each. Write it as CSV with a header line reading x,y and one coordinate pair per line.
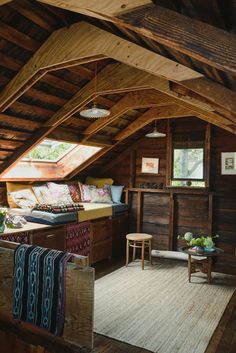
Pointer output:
x,y
58,208
78,238
39,287
22,237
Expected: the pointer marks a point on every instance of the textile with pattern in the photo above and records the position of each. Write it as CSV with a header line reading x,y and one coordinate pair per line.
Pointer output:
x,y
22,237
78,238
59,208
39,287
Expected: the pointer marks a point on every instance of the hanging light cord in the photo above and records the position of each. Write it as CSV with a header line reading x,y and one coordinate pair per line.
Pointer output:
x,y
95,82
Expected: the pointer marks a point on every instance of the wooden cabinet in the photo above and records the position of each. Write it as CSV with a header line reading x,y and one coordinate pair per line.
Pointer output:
x,y
53,238
101,239
119,231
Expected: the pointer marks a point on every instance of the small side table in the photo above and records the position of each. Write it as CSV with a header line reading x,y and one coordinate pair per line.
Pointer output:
x,y
202,264
138,240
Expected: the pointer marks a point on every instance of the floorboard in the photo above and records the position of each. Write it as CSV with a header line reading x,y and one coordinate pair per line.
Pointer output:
x,y
222,341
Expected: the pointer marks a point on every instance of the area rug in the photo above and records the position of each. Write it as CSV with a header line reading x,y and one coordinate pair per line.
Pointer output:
x,y
157,309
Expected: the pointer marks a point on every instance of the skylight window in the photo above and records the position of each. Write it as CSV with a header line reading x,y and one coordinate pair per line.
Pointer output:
x,y
49,151
51,160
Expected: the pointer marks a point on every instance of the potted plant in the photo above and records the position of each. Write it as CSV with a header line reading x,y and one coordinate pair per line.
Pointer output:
x,y
3,214
205,243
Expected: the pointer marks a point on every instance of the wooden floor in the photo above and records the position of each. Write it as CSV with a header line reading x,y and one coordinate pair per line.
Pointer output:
x,y
223,340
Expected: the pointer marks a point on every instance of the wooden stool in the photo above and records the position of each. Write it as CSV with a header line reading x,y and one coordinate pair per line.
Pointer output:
x,y
138,240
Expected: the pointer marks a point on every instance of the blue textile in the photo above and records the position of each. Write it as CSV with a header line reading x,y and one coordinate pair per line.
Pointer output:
x,y
39,287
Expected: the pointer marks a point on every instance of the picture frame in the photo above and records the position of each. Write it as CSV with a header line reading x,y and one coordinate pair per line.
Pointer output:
x,y
228,163
150,165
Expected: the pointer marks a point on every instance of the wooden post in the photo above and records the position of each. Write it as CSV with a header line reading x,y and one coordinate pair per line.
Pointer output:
x,y
210,213
132,176
168,154
139,212
171,222
207,160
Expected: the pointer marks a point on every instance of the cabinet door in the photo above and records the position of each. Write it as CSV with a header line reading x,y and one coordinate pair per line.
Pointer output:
x,y
53,238
101,240
119,231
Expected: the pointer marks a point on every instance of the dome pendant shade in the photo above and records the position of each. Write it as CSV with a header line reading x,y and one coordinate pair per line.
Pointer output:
x,y
94,112
155,133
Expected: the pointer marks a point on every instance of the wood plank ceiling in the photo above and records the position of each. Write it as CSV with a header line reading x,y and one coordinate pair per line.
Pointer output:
x,y
156,60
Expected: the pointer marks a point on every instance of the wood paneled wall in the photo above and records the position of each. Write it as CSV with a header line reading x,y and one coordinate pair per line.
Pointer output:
x,y
168,212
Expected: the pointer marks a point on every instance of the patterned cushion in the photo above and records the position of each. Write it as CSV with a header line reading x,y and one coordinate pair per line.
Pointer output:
x,y
24,198
11,187
98,182
60,193
85,191
74,192
42,193
101,195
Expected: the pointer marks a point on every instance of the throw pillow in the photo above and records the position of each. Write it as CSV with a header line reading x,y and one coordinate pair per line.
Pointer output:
x,y
74,192
101,195
98,182
24,198
60,193
85,191
42,193
116,193
11,187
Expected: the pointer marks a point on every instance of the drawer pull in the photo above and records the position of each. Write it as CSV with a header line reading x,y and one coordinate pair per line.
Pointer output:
x,y
51,235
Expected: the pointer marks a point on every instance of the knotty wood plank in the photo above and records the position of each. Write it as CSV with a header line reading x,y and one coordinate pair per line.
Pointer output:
x,y
94,8
19,122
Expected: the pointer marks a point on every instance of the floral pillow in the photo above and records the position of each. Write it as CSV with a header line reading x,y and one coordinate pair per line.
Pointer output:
x,y
24,198
85,191
42,193
101,195
60,193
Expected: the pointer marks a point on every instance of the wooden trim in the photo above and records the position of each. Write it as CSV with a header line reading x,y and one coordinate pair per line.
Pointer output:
x,y
139,211
132,172
169,156
207,154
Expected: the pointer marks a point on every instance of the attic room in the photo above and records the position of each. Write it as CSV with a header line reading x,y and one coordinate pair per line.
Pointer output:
x,y
117,176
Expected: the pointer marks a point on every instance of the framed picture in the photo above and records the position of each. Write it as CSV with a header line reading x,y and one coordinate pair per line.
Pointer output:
x,y
150,165
228,163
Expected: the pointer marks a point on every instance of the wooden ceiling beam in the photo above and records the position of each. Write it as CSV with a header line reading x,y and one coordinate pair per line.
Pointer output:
x,y
99,9
165,112
19,122
135,100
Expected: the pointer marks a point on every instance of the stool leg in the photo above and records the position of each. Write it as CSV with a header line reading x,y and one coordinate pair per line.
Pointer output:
x,y
127,252
209,266
189,268
142,256
150,251
134,251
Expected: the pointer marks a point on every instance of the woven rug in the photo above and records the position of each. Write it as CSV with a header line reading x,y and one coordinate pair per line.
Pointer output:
x,y
157,309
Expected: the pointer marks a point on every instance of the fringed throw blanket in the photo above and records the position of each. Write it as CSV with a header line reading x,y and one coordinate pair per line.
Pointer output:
x,y
78,238
59,208
39,287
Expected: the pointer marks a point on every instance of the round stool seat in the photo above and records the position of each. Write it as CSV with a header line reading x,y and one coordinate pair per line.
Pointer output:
x,y
138,236
138,240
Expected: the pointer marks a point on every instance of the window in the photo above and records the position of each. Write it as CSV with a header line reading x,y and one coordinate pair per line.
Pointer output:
x,y
51,160
188,159
49,151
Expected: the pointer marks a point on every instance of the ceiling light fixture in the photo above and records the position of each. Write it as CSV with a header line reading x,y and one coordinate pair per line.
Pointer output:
x,y
155,133
94,112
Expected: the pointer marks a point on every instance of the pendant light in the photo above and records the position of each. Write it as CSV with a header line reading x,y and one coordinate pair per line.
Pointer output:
x,y
94,112
155,133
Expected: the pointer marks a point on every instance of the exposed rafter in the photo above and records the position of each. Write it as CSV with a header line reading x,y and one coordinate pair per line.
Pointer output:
x,y
165,26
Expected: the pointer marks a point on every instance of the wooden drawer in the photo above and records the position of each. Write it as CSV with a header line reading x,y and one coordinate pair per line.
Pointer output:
x,y
119,231
101,251
101,230
53,238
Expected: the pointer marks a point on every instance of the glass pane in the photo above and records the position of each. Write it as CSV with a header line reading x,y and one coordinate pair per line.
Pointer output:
x,y
49,151
188,163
